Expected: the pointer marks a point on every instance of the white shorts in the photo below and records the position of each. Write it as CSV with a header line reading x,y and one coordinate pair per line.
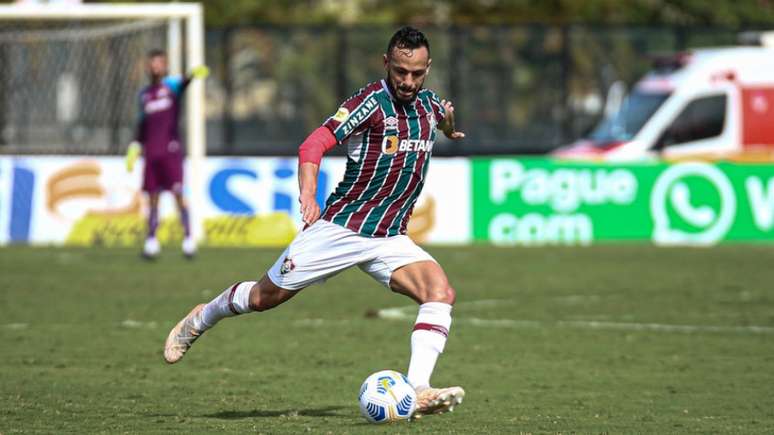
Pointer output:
x,y
325,249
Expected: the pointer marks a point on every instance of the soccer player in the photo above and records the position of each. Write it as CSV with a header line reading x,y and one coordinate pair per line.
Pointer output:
x,y
390,126
157,138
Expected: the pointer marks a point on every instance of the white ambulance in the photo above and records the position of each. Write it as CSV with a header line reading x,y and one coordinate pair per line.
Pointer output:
x,y
714,103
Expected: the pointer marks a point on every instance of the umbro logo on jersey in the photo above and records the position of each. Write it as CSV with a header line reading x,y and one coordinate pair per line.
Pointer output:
x,y
391,145
391,122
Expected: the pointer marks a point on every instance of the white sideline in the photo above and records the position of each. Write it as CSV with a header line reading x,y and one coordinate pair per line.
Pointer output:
x,y
409,313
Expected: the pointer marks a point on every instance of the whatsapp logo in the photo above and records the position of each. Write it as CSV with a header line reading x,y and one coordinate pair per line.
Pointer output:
x,y
692,204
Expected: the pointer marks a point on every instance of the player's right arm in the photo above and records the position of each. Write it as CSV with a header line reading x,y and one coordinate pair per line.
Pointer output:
x,y
353,115
307,181
135,148
309,156
132,154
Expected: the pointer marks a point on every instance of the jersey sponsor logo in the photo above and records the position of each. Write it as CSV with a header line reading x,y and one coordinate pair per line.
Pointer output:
x,y
158,105
391,145
358,116
341,114
287,266
416,145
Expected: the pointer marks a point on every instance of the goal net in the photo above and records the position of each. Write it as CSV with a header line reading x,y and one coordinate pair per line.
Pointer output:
x,y
70,74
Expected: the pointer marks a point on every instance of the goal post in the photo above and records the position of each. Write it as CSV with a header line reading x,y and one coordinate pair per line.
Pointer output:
x,y
175,14
70,75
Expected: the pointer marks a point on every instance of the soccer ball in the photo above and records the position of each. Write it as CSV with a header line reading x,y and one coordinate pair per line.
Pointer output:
x,y
387,396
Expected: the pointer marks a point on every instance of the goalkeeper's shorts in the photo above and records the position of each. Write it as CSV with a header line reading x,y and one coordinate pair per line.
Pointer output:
x,y
165,173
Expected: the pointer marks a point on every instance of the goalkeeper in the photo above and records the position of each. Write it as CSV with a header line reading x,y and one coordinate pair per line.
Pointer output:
x,y
158,140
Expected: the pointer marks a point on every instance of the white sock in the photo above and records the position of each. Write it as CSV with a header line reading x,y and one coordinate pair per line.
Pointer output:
x,y
428,341
233,301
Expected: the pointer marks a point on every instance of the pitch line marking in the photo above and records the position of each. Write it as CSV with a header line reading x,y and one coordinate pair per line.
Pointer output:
x,y
409,313
129,323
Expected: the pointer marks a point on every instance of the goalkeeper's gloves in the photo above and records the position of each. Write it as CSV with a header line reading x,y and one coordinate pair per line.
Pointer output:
x,y
200,72
132,153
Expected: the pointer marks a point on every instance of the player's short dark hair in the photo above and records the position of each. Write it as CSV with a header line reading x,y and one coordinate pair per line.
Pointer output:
x,y
408,37
156,52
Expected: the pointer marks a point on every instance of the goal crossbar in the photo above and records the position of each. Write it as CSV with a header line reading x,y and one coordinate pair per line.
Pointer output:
x,y
93,11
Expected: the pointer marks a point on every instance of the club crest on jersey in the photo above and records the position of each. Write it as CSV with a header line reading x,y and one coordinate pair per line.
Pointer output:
x,y
391,145
431,120
287,266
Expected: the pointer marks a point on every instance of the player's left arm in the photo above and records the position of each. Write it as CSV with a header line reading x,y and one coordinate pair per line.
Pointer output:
x,y
198,72
179,84
447,124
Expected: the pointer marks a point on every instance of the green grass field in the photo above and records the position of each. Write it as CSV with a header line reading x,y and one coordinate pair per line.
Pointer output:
x,y
610,339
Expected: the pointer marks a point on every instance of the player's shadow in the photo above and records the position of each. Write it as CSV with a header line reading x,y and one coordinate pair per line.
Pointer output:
x,y
328,411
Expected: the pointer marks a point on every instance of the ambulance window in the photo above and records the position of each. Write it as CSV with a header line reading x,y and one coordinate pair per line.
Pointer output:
x,y
635,111
701,119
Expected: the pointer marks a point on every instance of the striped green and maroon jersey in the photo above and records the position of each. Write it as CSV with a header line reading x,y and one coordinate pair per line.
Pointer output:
x,y
390,145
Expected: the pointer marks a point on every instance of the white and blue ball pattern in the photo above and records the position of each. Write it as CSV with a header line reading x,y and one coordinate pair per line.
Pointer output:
x,y
387,396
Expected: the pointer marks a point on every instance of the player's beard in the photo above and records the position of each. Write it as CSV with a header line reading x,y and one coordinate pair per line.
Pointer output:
x,y
403,99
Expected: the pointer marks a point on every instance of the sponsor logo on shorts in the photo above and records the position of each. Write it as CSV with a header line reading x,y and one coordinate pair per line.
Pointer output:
x,y
391,145
287,266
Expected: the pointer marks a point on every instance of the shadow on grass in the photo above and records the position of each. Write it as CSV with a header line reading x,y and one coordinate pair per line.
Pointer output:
x,y
314,412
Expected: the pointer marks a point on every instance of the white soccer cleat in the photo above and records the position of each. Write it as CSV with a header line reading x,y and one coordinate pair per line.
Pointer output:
x,y
182,336
189,247
437,400
152,248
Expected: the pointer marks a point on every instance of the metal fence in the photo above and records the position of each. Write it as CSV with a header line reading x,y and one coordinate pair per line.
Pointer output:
x,y
516,89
